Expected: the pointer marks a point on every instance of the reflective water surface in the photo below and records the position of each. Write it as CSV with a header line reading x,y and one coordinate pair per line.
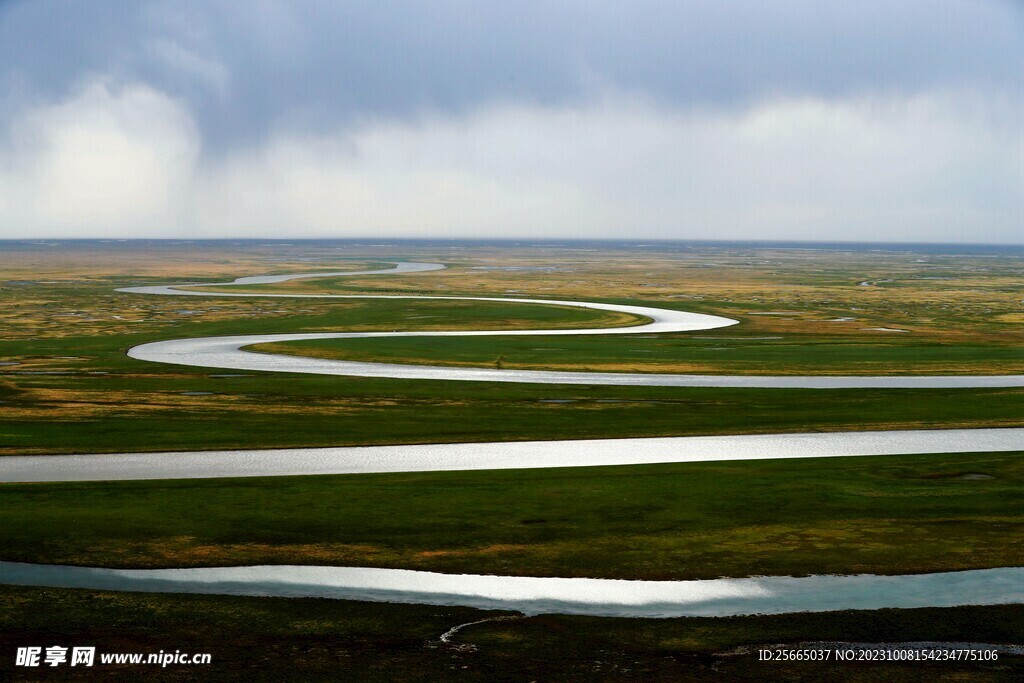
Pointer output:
x,y
534,595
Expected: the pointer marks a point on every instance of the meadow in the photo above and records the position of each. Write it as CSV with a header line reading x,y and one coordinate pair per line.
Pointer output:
x,y
66,332
889,514
67,387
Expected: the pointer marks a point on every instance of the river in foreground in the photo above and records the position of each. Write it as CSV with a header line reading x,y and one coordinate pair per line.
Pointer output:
x,y
537,595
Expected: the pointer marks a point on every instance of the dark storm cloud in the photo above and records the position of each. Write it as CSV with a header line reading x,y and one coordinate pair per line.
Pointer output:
x,y
246,68
754,119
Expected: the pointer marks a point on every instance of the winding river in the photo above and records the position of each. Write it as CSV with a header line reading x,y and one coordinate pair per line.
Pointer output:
x,y
531,595
229,352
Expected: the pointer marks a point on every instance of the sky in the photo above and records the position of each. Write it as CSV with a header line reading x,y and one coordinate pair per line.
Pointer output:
x,y
871,120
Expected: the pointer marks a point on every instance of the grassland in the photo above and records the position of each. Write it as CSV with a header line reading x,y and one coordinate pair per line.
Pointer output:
x,y
266,639
838,313
66,330
892,514
68,387
167,410
715,352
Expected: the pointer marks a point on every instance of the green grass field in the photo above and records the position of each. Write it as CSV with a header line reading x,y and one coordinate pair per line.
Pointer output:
x,y
892,514
193,412
104,401
68,331
723,351
66,386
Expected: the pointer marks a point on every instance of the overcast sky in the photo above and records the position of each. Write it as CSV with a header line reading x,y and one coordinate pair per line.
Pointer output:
x,y
747,119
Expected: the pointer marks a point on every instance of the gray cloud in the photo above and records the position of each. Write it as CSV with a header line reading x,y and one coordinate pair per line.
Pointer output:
x,y
728,118
247,68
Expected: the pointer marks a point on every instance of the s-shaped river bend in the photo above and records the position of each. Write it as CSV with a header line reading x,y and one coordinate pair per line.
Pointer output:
x,y
531,595
229,352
